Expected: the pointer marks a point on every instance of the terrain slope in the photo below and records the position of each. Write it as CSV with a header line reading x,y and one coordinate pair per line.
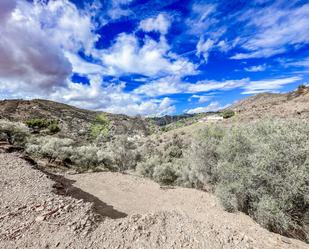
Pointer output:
x,y
285,105
111,210
74,122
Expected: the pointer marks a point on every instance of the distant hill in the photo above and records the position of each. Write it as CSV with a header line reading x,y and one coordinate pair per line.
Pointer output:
x,y
292,104
74,122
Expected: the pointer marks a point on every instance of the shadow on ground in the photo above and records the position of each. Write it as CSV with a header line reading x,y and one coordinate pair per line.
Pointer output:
x,y
64,186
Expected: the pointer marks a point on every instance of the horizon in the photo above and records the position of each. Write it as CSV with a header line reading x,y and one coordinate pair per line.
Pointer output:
x,y
152,58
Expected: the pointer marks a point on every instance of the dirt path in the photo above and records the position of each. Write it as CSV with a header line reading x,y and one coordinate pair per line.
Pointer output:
x,y
135,195
109,210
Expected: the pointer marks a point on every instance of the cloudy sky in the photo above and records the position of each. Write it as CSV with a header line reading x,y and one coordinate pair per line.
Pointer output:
x,y
152,57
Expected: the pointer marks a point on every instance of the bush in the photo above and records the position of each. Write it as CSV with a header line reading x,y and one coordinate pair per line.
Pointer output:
x,y
53,128
100,127
146,168
15,133
227,113
201,159
165,174
125,154
51,148
261,169
40,123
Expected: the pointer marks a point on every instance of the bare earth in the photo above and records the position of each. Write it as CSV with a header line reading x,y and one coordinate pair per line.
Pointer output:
x,y
110,210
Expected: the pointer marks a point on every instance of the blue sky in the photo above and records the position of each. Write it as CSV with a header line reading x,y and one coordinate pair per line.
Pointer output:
x,y
152,57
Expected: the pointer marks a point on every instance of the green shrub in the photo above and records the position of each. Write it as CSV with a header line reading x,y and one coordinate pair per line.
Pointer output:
x,y
101,126
15,133
41,123
228,113
301,87
53,128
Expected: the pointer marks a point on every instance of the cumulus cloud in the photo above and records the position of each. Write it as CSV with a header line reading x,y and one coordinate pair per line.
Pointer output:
x,y
152,59
39,51
6,9
111,98
161,24
28,58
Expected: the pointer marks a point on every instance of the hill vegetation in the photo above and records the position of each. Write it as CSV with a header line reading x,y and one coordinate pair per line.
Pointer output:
x,y
259,166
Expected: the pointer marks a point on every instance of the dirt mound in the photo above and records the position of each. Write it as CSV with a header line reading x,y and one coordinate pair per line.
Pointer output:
x,y
42,210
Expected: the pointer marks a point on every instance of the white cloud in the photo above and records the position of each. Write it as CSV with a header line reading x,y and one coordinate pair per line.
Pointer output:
x,y
276,28
160,24
201,98
258,68
111,98
119,9
201,19
271,85
152,59
212,107
28,58
173,85
203,47
82,67
304,62
6,8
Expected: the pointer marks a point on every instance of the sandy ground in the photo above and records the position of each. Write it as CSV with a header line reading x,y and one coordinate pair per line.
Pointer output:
x,y
110,210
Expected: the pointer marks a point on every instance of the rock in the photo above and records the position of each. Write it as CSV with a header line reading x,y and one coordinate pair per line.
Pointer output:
x,y
286,240
40,218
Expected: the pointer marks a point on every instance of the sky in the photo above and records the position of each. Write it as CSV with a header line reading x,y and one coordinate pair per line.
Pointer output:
x,y
155,57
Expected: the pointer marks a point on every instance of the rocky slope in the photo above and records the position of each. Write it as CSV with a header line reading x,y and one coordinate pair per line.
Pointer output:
x,y
74,122
292,104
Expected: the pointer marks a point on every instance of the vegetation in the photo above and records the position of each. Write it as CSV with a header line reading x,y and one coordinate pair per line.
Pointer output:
x,y
260,168
100,127
301,87
228,113
15,133
41,123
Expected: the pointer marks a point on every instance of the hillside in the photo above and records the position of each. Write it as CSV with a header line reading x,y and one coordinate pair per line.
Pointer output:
x,y
292,104
74,122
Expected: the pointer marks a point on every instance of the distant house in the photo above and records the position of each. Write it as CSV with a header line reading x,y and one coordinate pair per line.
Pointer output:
x,y
212,118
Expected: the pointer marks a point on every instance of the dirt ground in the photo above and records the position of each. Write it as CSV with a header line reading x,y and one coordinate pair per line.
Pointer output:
x,y
111,210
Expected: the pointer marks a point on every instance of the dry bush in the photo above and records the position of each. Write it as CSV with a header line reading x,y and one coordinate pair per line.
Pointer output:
x,y
265,167
260,168
201,159
14,132
49,147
